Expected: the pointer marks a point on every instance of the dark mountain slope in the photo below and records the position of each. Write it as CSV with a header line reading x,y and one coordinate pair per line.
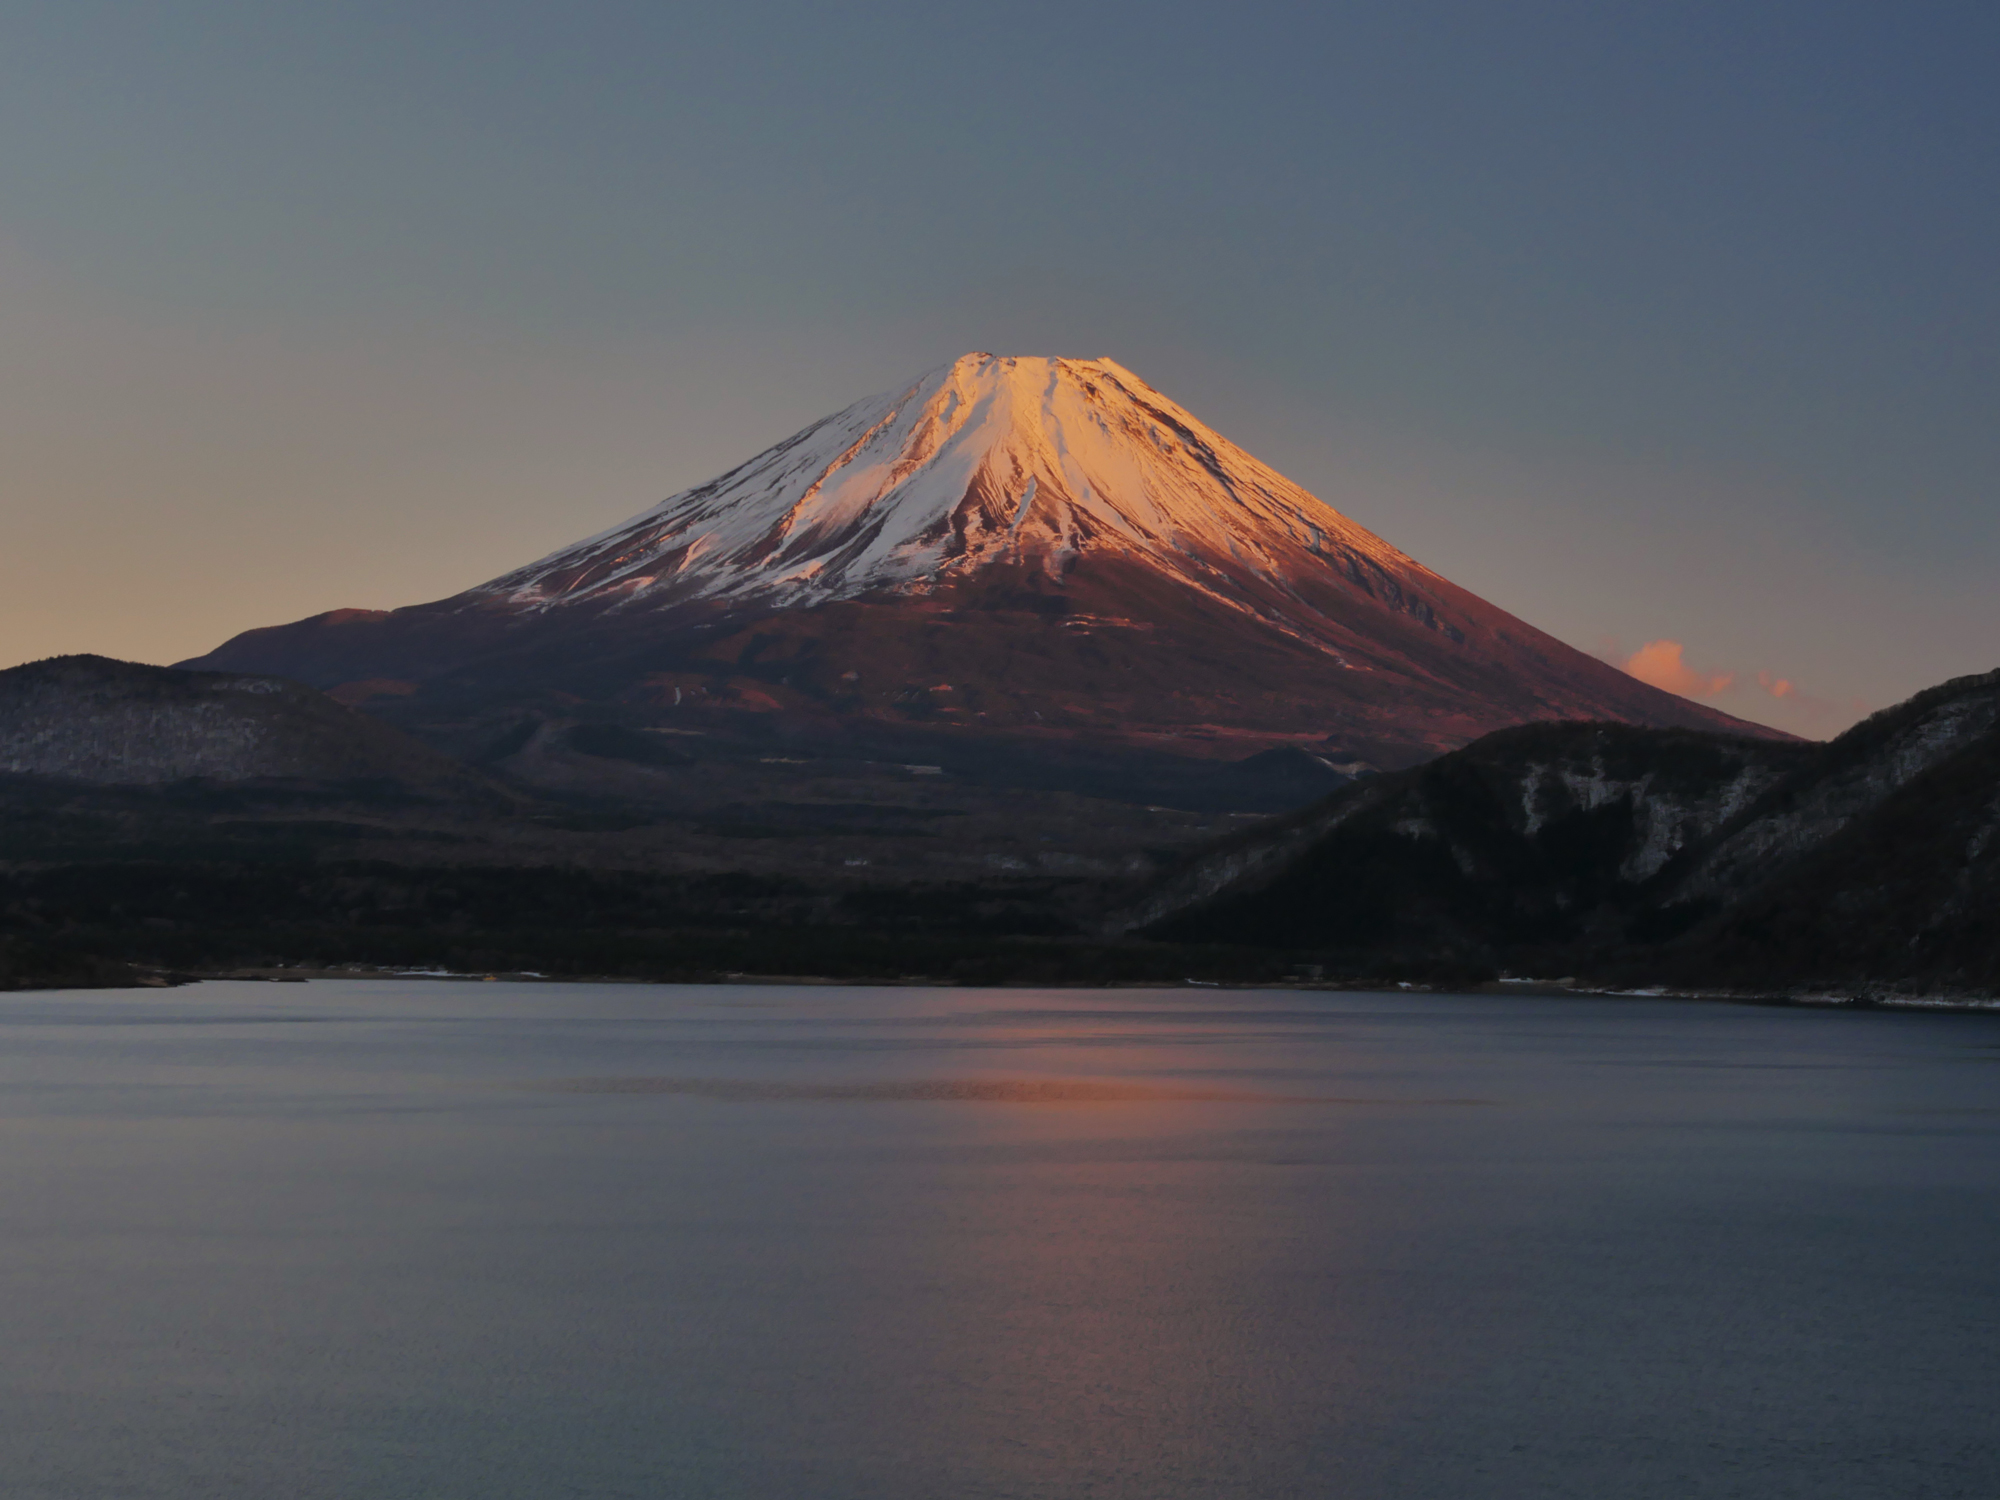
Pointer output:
x,y
1643,856
1531,840
1881,867
88,718
1850,778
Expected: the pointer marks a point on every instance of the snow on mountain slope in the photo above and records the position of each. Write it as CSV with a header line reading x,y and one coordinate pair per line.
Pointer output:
x,y
986,459
1030,546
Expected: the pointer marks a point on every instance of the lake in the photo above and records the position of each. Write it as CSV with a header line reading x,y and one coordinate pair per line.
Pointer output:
x,y
408,1238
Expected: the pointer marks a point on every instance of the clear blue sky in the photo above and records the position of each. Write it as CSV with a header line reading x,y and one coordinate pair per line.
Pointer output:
x,y
1644,321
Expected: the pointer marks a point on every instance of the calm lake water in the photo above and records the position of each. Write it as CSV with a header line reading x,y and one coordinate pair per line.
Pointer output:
x,y
440,1240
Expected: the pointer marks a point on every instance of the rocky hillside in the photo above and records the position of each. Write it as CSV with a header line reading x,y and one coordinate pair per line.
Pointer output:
x,y
1881,862
88,718
1531,838
1851,779
1645,856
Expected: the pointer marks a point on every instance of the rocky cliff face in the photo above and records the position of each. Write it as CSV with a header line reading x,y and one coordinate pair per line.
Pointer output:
x,y
88,718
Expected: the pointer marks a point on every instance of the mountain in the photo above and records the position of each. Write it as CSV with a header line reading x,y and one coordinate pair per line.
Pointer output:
x,y
92,719
1534,836
1879,862
1642,856
1029,549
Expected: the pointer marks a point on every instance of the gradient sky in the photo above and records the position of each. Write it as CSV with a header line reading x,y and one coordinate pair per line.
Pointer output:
x,y
1672,328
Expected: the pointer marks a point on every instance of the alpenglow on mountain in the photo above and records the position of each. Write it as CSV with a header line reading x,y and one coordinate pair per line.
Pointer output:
x,y
1034,547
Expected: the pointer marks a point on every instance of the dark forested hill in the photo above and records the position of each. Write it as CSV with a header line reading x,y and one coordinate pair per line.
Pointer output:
x,y
1642,854
173,821
1528,840
89,718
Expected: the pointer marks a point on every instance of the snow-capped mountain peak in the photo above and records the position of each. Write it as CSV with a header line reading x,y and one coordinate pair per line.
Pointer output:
x,y
988,458
1008,546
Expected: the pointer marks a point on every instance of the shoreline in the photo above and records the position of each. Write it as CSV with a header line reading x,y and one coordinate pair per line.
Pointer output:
x,y
1816,999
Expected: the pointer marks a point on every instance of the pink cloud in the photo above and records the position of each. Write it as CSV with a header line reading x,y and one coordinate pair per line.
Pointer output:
x,y
1663,664
1660,664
